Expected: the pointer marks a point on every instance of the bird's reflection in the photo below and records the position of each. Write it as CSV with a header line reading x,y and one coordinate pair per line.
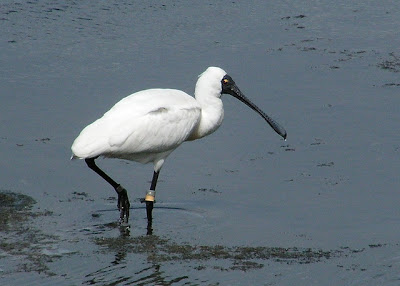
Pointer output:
x,y
149,228
117,272
125,229
146,259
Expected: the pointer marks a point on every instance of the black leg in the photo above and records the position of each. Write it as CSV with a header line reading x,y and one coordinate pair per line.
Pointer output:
x,y
154,180
123,201
150,199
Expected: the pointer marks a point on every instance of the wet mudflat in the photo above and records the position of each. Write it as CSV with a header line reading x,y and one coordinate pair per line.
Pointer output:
x,y
240,207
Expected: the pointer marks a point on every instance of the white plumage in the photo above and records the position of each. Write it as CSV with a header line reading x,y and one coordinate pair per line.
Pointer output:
x,y
137,129
148,125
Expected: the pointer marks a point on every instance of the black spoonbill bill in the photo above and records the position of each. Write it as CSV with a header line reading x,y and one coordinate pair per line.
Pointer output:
x,y
148,125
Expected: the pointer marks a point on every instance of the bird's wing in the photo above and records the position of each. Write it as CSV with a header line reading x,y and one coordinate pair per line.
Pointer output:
x,y
151,121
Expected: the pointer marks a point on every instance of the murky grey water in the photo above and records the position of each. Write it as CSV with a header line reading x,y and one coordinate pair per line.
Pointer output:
x,y
240,207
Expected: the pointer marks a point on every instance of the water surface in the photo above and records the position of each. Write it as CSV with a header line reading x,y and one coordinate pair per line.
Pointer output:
x,y
240,207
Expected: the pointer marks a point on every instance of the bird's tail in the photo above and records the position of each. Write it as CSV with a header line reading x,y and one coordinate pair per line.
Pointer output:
x,y
73,157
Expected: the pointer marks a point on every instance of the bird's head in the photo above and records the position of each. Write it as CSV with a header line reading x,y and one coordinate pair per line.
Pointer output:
x,y
228,86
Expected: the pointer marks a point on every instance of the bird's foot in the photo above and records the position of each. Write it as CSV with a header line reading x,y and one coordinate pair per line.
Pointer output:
x,y
123,204
124,229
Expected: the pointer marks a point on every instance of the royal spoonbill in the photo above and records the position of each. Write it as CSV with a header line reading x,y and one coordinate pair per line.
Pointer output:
x,y
148,125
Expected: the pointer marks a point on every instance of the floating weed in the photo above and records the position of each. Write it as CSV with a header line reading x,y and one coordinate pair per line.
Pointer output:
x,y
244,258
392,65
18,237
14,208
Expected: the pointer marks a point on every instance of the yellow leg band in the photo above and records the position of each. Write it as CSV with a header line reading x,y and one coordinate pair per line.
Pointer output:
x,y
150,196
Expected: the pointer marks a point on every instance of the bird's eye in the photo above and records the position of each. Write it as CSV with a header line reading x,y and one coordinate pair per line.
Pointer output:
x,y
225,80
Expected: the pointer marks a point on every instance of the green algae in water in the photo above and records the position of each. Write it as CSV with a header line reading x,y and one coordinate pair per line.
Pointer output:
x,y
14,208
19,238
159,250
15,201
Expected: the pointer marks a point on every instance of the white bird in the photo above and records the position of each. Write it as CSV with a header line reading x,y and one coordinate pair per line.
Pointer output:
x,y
148,125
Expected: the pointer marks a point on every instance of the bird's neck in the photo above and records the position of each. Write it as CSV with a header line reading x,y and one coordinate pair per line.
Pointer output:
x,y
212,113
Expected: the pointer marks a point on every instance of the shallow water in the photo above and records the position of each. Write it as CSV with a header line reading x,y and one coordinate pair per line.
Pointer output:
x,y
240,207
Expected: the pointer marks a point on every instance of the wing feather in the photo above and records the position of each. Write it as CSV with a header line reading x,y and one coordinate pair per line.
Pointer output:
x,y
150,121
